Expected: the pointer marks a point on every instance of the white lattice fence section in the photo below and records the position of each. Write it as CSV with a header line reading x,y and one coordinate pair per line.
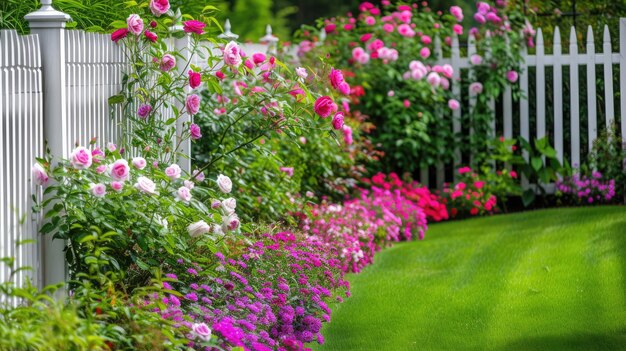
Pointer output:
x,y
21,141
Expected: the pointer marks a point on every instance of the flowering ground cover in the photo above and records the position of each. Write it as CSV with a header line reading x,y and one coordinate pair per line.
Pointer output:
x,y
543,280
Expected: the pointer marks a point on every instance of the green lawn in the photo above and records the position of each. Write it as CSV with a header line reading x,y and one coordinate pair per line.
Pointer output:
x,y
544,280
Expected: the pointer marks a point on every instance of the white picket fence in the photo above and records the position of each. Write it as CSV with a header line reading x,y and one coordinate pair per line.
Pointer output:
x,y
55,83
54,89
538,62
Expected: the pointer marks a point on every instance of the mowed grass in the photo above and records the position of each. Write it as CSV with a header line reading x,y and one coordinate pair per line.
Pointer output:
x,y
542,280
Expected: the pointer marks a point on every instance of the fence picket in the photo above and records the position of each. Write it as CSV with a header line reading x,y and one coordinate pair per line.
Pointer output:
x,y
592,120
557,90
456,92
471,50
622,74
541,87
574,100
608,79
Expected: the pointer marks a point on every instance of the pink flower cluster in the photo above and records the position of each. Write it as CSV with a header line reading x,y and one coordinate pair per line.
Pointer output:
x,y
358,228
273,295
469,195
589,190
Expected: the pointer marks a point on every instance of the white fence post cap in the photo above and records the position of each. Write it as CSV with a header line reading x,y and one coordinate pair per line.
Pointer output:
x,y
47,17
228,35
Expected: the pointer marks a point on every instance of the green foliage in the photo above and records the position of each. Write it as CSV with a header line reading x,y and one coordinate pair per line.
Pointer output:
x,y
608,156
541,168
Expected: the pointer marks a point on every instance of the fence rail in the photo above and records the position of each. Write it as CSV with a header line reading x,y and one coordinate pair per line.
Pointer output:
x,y
61,97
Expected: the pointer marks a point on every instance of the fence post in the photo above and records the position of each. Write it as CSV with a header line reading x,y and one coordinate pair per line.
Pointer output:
x,y
622,80
271,40
49,25
183,46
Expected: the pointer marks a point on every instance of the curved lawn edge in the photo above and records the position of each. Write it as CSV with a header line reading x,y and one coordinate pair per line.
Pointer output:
x,y
540,280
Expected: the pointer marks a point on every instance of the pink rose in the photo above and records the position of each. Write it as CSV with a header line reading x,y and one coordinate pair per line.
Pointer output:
x,y
183,194
97,155
480,18
159,7
433,79
195,79
232,221
173,171
119,170
135,24
336,77
232,54
388,27
483,7
325,106
39,175
119,34
425,52
301,72
139,162
81,158
458,29
512,76
344,88
454,104
447,70
151,36
167,62
347,134
479,184
145,185
476,59
117,186
476,88
194,131
193,26
258,58
287,170
101,169
216,204
426,40
338,121
406,103
464,170
143,111
98,190
201,331
457,12
197,175
192,103
189,184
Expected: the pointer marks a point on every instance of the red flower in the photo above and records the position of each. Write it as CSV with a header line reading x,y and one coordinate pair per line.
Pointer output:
x,y
119,34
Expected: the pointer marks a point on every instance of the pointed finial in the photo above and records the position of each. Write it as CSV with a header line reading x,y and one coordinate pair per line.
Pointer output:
x,y
228,35
322,35
269,38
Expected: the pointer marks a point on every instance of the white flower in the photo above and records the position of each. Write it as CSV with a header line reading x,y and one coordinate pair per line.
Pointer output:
x,y
183,194
202,331
198,228
39,175
139,162
229,205
232,221
224,183
145,185
189,184
301,72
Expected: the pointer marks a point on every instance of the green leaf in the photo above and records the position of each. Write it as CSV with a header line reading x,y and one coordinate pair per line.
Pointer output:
x,y
528,197
116,99
537,163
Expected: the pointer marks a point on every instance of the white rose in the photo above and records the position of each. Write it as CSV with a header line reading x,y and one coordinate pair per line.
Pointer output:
x,y
183,194
229,205
225,184
198,228
145,185
189,184
202,331
232,221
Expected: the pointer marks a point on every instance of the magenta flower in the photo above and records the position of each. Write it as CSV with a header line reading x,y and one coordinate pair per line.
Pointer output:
x,y
194,131
193,26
